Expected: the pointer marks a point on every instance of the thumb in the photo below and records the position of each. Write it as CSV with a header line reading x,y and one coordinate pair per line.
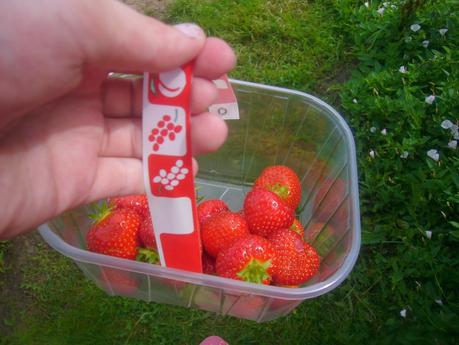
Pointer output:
x,y
119,38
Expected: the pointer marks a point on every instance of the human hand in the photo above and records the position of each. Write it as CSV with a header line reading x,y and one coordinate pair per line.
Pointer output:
x,y
68,134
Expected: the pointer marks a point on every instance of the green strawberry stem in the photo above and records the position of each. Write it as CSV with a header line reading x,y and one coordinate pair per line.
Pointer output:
x,y
255,271
100,211
280,190
148,255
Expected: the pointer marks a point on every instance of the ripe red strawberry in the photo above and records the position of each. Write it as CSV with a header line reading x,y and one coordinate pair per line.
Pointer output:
x,y
296,261
283,181
208,263
137,202
208,208
221,230
118,281
146,234
251,259
265,212
114,232
297,227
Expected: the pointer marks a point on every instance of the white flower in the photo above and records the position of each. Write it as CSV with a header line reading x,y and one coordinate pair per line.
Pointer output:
x,y
384,132
433,154
355,101
452,144
372,154
373,129
439,301
455,131
425,43
386,4
381,10
430,99
443,31
446,124
415,27
403,313
367,4
404,154
402,69
429,234
393,7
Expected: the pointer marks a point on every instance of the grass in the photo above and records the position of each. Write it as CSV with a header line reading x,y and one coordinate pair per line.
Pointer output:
x,y
306,45
294,44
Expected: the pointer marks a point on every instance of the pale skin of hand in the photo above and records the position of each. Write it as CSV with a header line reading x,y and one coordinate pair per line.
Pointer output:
x,y
68,134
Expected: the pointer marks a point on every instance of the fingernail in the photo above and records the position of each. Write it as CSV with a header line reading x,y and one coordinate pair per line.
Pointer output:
x,y
190,29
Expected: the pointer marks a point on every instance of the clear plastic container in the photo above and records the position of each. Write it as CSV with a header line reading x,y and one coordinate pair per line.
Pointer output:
x,y
276,126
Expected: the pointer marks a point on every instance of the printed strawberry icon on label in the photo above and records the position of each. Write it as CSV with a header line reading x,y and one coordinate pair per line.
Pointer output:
x,y
169,178
166,130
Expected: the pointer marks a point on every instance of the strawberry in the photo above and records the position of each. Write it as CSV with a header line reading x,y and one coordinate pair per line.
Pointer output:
x,y
297,227
114,232
283,181
118,281
210,207
146,233
221,230
296,261
265,212
248,307
208,263
251,259
136,202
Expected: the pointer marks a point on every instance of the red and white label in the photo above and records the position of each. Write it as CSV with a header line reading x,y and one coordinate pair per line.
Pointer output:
x,y
225,105
168,171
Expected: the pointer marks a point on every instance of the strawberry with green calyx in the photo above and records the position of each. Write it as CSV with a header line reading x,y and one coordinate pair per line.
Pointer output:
x,y
265,212
251,259
297,261
282,181
114,232
147,255
210,207
221,230
297,227
136,202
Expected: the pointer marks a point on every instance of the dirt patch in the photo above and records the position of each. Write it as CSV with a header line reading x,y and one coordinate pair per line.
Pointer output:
x,y
13,298
329,87
156,8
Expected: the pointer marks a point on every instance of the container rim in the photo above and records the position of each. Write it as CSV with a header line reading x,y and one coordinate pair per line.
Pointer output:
x,y
231,285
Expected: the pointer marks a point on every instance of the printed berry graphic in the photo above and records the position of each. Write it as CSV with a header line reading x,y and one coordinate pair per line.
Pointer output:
x,y
165,129
171,179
